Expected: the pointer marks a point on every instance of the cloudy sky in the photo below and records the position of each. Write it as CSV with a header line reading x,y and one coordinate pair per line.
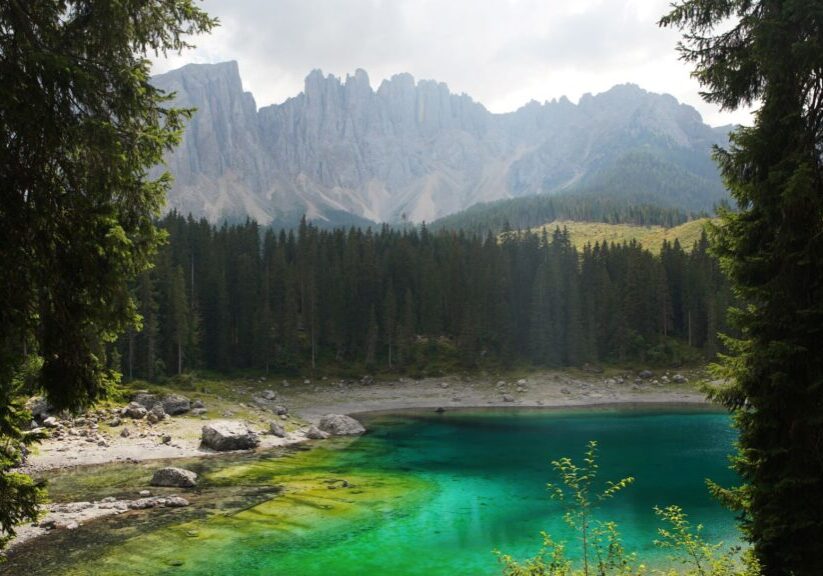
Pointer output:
x,y
503,53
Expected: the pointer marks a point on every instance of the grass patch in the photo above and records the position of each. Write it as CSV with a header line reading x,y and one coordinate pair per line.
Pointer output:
x,y
650,237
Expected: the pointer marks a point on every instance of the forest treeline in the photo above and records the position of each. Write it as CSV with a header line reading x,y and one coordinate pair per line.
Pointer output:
x,y
591,205
238,297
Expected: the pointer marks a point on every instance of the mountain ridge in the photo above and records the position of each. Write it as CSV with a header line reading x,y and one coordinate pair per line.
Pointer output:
x,y
413,150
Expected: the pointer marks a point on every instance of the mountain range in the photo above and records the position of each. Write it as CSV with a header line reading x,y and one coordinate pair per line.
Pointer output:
x,y
342,152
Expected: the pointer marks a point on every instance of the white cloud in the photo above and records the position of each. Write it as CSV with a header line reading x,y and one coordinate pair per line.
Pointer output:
x,y
503,53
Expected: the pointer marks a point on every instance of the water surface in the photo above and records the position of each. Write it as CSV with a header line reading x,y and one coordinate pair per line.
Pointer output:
x,y
427,494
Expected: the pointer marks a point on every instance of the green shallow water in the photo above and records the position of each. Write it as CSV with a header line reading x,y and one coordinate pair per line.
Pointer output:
x,y
429,494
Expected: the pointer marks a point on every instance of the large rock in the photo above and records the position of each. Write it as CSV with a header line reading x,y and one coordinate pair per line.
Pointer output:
x,y
146,400
222,435
175,404
158,411
39,407
277,429
174,477
340,425
134,410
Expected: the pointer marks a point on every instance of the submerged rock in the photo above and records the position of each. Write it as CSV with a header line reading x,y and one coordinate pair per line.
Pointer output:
x,y
315,433
174,477
176,502
223,435
340,425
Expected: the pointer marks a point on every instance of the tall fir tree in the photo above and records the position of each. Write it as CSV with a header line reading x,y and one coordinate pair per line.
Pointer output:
x,y
769,52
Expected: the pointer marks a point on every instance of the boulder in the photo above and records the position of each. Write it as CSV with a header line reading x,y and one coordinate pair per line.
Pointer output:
x,y
197,404
281,410
175,477
51,422
175,404
508,398
269,394
124,433
158,410
315,433
134,410
222,435
679,379
340,425
39,407
276,429
146,400
646,374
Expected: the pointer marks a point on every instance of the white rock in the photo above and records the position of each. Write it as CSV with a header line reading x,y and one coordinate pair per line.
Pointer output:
x,y
222,435
340,425
176,477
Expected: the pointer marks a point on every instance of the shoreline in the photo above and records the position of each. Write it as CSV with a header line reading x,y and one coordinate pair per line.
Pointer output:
x,y
628,405
308,402
553,391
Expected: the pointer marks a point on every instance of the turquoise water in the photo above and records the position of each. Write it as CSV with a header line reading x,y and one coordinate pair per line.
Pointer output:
x,y
489,473
434,494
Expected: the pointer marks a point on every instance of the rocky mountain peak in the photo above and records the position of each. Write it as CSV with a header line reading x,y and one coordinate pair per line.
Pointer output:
x,y
343,149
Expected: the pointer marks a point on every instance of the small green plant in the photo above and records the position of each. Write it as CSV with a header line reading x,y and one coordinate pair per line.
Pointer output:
x,y
600,542
698,557
602,552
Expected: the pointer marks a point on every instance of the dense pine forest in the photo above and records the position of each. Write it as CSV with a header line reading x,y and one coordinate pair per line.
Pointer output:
x,y
590,205
239,297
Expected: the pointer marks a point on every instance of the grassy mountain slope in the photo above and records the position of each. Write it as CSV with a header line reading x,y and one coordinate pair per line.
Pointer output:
x,y
650,237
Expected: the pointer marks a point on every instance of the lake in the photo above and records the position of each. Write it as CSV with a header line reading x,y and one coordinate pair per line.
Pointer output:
x,y
420,494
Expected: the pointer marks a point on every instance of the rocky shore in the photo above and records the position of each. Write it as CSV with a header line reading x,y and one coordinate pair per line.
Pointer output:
x,y
257,414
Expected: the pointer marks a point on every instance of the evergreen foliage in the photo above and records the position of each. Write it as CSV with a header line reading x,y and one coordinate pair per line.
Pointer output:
x,y
596,204
771,53
240,298
80,126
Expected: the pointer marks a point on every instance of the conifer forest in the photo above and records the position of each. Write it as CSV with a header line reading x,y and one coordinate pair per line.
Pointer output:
x,y
239,297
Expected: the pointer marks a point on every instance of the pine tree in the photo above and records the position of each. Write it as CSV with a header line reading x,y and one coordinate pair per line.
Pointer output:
x,y
390,322
769,52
